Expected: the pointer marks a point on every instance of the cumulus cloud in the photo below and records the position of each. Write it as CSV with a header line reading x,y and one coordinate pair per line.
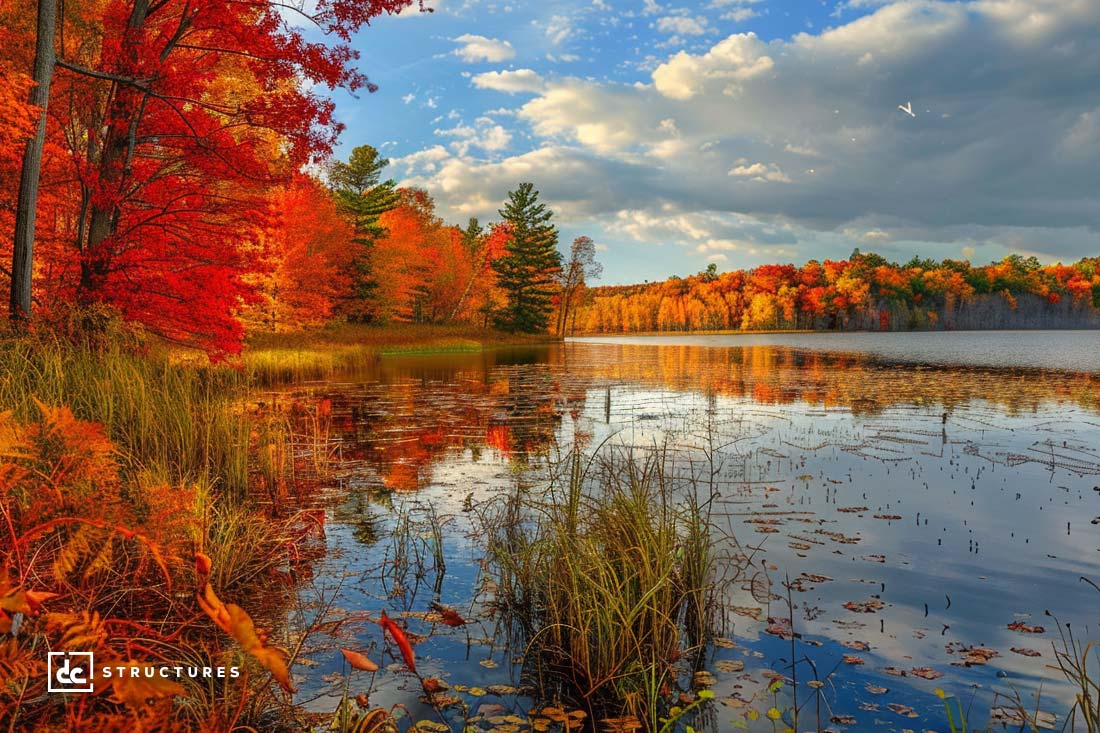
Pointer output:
x,y
558,29
509,81
683,25
484,133
479,48
1002,153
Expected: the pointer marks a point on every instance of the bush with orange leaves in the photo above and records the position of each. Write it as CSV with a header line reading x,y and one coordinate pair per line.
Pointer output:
x,y
89,562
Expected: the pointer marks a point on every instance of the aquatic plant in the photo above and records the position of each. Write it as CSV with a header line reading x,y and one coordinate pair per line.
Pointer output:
x,y
609,580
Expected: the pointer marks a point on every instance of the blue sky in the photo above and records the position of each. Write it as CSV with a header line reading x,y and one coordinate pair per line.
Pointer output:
x,y
740,132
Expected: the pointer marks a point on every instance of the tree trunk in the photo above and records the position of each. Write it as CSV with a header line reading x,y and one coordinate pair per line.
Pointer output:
x,y
22,264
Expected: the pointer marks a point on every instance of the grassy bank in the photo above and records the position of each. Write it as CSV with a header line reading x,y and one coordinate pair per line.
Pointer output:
x,y
277,358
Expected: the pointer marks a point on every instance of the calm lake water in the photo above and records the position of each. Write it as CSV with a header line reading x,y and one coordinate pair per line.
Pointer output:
x,y
947,482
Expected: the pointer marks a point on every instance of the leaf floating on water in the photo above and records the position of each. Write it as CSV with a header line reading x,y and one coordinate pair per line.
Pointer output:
x,y
815,684
859,646
972,656
926,673
780,627
1024,628
488,663
843,719
1025,652
432,726
359,661
876,690
752,612
475,691
703,678
894,671
432,685
870,606
890,517
502,690
903,710
1015,717
724,643
730,666
853,509
853,659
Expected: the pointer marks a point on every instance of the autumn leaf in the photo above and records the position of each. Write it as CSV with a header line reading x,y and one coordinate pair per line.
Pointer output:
x,y
234,621
359,661
400,639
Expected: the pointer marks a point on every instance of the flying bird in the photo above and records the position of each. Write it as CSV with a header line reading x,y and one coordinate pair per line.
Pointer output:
x,y
907,108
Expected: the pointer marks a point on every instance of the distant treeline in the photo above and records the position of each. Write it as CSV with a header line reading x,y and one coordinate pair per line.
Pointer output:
x,y
864,292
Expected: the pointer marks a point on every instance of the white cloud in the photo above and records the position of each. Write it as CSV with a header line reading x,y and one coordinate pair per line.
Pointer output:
x,y
683,25
484,133
558,29
479,48
697,154
760,172
510,81
734,60
739,15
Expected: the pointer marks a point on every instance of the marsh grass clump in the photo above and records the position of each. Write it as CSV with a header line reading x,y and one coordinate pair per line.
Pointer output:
x,y
283,358
610,581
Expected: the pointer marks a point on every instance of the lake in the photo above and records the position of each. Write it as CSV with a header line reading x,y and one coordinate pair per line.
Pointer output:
x,y
923,500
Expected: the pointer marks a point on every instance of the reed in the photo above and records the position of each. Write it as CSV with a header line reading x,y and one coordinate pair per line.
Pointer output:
x,y
609,580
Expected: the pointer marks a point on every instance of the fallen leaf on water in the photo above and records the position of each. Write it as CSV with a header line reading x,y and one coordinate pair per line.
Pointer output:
x,y
859,646
853,659
703,678
729,666
875,689
926,673
1024,628
359,661
903,710
843,719
1025,652
432,685
869,606
502,690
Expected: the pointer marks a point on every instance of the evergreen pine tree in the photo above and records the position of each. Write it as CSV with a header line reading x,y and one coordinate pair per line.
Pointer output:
x,y
527,270
362,195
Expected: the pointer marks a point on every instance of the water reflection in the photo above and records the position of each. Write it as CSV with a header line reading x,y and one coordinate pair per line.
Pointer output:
x,y
922,512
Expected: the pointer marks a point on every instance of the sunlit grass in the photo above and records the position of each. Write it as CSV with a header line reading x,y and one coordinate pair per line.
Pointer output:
x,y
276,358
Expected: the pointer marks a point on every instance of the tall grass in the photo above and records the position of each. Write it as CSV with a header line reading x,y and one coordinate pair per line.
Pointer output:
x,y
173,421
279,358
610,581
